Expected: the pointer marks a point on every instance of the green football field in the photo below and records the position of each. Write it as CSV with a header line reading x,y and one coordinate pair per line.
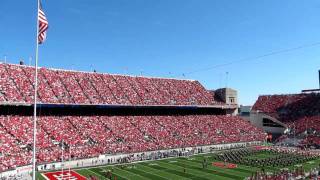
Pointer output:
x,y
180,168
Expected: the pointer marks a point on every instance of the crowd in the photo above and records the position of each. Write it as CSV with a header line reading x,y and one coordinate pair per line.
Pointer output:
x,y
300,112
71,87
289,108
286,174
90,136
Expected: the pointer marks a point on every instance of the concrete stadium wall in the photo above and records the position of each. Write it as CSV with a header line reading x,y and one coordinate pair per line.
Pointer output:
x,y
256,119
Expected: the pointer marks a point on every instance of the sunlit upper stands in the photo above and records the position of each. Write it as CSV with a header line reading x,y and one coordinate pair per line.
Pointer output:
x,y
71,87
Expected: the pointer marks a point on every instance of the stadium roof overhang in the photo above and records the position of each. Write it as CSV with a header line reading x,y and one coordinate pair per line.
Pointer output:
x,y
102,106
103,109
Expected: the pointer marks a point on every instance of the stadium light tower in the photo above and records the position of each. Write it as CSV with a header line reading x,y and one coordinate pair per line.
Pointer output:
x,y
319,78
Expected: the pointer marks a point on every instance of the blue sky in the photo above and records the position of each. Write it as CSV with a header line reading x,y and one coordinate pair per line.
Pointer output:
x,y
167,38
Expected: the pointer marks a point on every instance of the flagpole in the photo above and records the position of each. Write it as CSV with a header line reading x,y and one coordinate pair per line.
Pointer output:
x,y
34,160
62,164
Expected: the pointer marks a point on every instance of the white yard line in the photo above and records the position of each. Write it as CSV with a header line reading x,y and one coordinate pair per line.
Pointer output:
x,y
132,173
96,173
42,174
152,174
115,174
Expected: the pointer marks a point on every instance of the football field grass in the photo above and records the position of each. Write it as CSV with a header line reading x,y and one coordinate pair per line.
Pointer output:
x,y
179,168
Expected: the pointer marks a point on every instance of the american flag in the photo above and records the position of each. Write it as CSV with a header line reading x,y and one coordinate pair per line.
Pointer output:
x,y
43,26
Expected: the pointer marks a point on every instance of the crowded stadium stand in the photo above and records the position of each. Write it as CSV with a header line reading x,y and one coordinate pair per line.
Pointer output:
x,y
90,136
71,87
88,114
294,114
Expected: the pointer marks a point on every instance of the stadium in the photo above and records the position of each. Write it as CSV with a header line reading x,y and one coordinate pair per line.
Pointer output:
x,y
225,90
105,126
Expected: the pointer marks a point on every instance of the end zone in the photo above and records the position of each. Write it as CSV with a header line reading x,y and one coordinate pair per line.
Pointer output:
x,y
70,175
